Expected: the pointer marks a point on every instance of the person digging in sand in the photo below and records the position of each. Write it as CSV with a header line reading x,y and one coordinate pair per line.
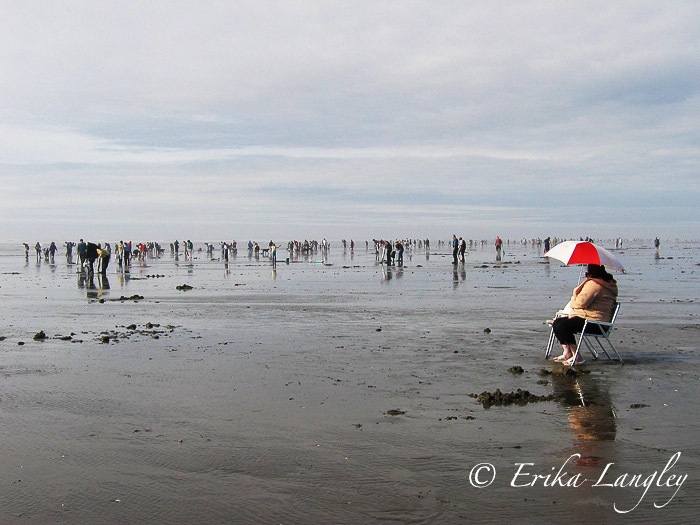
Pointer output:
x,y
593,299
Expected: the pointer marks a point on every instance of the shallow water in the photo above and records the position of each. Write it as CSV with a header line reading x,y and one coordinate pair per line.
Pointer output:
x,y
263,396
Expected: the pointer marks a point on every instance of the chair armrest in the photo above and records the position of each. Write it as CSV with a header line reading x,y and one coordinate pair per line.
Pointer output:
x,y
559,314
599,323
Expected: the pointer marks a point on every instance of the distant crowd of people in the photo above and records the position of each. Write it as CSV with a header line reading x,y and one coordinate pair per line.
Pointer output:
x,y
391,253
386,251
91,257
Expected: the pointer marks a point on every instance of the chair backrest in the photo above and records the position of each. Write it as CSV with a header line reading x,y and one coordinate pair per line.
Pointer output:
x,y
607,329
601,328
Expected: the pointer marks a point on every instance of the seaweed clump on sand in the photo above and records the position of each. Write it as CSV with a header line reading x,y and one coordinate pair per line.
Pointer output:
x,y
519,397
123,298
563,371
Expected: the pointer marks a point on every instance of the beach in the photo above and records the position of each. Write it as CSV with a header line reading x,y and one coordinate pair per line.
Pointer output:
x,y
339,390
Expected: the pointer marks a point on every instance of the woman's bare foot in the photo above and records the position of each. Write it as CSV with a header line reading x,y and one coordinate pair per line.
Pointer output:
x,y
568,353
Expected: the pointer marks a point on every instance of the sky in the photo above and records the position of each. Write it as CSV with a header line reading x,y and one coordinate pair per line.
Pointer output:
x,y
215,120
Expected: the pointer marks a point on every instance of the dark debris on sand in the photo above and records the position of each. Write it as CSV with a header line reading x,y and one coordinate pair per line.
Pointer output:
x,y
151,330
123,298
563,371
519,397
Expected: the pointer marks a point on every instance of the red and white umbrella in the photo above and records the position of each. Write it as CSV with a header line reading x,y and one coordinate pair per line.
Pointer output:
x,y
584,252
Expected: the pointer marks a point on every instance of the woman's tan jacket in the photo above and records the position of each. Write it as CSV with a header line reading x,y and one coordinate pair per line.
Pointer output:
x,y
594,299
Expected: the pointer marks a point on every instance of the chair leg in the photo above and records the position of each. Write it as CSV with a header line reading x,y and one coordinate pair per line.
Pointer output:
x,y
603,348
591,348
550,344
619,357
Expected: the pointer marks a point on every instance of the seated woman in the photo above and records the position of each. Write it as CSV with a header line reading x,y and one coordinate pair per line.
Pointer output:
x,y
593,299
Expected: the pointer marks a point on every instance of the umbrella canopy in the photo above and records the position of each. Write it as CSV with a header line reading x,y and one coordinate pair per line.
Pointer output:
x,y
584,252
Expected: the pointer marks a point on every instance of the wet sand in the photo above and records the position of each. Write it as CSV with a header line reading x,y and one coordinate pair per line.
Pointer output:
x,y
341,392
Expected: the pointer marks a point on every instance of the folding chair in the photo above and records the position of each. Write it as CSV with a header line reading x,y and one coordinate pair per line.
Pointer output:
x,y
597,330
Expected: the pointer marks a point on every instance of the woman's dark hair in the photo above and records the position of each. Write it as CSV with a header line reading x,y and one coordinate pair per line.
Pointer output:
x,y
597,271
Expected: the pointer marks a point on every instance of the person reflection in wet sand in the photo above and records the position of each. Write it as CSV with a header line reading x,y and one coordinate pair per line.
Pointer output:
x,y
590,413
102,282
387,274
458,274
86,280
92,290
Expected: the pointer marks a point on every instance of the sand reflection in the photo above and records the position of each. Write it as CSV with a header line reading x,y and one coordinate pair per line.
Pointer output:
x,y
590,413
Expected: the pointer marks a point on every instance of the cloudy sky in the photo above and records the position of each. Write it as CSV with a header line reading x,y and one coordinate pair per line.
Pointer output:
x,y
349,119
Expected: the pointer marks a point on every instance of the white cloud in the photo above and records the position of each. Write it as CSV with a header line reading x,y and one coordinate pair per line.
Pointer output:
x,y
520,105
